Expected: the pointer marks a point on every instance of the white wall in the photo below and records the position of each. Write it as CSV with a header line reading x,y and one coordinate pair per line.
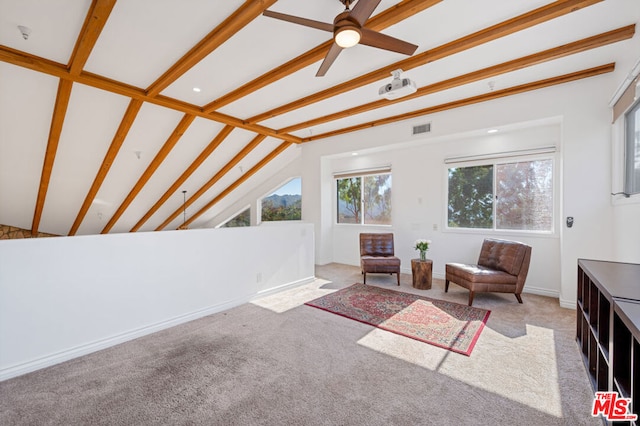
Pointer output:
x,y
68,296
262,186
605,227
626,231
284,165
419,200
585,164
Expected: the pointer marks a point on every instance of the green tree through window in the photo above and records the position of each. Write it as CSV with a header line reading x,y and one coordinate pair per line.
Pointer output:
x,y
241,219
365,199
506,196
471,197
349,200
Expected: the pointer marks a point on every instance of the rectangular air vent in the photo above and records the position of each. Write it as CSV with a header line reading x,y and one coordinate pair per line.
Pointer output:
x,y
422,128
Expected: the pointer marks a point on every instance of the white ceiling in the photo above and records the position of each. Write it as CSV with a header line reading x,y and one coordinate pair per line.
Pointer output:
x,y
142,39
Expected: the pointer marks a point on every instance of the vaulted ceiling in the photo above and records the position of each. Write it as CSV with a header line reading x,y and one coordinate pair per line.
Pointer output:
x,y
101,129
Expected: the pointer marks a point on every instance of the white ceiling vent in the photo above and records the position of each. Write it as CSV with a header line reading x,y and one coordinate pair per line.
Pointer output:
x,y
422,128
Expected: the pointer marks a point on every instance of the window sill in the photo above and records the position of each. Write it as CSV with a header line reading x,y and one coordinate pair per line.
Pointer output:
x,y
620,200
504,234
366,225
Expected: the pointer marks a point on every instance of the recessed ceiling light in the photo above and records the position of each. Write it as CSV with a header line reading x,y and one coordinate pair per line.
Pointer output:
x,y
492,131
354,153
196,89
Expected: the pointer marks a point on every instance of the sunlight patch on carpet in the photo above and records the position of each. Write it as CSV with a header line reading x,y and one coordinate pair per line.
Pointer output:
x,y
536,386
533,355
292,298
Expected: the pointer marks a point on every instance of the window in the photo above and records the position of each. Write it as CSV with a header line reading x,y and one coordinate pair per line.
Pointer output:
x,y
503,196
241,219
470,197
632,150
364,199
283,204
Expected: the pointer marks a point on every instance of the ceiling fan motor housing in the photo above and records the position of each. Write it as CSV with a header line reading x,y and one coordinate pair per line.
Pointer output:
x,y
344,22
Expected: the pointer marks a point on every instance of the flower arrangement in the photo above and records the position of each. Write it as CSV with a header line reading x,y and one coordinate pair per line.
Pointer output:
x,y
423,246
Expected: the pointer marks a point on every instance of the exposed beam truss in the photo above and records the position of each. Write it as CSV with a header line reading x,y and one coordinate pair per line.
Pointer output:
x,y
97,17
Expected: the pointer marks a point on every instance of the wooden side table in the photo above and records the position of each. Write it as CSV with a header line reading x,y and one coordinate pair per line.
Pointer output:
x,y
421,271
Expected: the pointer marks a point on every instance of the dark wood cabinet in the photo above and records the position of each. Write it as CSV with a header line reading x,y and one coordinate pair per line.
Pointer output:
x,y
626,351
608,326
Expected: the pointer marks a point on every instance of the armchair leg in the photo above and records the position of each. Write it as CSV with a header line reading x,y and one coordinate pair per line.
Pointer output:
x,y
446,286
519,298
398,274
470,298
365,277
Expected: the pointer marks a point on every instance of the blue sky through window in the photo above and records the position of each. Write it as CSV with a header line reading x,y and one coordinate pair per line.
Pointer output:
x,y
293,187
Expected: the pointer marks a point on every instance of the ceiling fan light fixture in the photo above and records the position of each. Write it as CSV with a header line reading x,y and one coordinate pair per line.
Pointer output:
x,y
346,37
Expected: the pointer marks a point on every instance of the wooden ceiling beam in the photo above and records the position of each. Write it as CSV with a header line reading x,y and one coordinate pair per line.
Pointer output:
x,y
107,162
223,171
591,72
57,121
521,22
162,154
250,10
582,45
220,137
94,23
56,69
387,18
273,154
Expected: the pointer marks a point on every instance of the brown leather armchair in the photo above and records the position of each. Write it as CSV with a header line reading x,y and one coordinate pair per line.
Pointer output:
x,y
377,255
502,268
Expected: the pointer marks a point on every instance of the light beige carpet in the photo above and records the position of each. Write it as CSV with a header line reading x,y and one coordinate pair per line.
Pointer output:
x,y
278,362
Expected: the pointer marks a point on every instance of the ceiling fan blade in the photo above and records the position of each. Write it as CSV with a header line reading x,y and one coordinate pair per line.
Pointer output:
x,y
383,41
300,21
332,54
363,10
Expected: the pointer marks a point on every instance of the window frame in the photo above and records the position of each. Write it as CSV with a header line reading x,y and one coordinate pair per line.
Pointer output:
x,y
361,175
233,216
629,151
495,162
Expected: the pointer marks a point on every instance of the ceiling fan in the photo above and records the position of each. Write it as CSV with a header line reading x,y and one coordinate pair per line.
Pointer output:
x,y
348,30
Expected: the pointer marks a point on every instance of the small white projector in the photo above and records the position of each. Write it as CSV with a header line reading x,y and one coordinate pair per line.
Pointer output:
x,y
398,87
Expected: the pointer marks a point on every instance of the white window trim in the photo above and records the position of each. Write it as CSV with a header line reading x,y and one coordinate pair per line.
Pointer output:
x,y
248,206
546,153
618,149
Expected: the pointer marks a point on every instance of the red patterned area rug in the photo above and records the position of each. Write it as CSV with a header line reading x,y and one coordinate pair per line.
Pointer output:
x,y
440,323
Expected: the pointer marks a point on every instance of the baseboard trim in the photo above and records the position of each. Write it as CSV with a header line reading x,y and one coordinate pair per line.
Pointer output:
x,y
282,287
541,291
569,304
78,351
